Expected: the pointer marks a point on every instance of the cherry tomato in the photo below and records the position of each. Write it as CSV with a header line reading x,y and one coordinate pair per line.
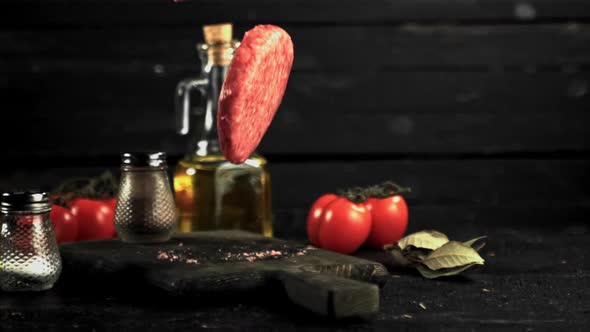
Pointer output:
x,y
343,226
389,217
313,218
95,218
65,225
112,202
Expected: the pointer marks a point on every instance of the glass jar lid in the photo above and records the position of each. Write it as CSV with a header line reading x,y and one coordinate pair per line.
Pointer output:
x,y
34,201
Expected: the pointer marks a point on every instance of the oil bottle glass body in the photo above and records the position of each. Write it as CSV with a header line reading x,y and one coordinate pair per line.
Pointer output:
x,y
210,192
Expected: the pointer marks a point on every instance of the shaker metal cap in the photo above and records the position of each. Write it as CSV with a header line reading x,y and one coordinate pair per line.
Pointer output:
x,y
144,159
34,201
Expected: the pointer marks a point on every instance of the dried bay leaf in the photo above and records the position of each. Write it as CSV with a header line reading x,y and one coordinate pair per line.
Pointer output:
x,y
479,246
388,247
472,241
434,255
409,255
414,254
452,254
399,257
428,239
430,274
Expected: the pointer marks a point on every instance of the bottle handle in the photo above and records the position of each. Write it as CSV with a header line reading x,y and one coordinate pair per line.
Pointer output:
x,y
182,101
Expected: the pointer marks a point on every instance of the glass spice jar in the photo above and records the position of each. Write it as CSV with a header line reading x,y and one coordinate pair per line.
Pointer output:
x,y
145,210
29,256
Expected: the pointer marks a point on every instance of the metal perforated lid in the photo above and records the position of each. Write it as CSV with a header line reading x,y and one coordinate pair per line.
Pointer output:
x,y
144,159
34,201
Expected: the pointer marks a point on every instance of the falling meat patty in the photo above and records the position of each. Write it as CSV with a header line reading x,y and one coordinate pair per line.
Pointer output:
x,y
253,90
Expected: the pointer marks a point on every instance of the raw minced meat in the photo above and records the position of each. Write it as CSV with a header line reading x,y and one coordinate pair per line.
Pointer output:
x,y
253,90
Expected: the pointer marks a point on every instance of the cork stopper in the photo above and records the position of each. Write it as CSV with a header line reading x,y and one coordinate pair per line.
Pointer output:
x,y
218,33
219,45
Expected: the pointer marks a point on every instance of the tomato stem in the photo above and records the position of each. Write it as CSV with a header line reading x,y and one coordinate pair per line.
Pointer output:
x,y
383,190
354,194
101,187
392,188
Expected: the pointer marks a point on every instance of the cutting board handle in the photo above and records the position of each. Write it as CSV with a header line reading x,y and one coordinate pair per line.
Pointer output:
x,y
329,295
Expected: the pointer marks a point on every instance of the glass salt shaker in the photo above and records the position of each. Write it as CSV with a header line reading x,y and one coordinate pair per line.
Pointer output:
x,y
145,210
29,256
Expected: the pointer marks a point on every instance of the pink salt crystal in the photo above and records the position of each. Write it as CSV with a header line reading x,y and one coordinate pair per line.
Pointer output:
x,y
301,253
180,244
162,255
250,259
275,253
192,261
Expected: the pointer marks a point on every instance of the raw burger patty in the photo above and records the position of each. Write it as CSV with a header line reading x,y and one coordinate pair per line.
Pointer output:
x,y
253,90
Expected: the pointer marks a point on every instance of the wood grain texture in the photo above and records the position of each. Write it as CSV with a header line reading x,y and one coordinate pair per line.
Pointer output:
x,y
222,268
110,91
163,13
333,297
527,47
383,89
322,113
533,184
486,183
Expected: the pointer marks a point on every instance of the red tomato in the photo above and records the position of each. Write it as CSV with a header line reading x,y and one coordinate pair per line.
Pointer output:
x,y
313,218
112,202
343,226
390,220
65,225
95,218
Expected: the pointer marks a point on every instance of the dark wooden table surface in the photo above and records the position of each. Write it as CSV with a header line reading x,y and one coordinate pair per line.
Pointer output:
x,y
536,277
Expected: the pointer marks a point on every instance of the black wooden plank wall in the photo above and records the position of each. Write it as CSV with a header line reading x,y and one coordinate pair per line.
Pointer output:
x,y
474,104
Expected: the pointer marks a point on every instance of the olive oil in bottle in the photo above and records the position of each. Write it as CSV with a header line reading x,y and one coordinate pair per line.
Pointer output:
x,y
212,193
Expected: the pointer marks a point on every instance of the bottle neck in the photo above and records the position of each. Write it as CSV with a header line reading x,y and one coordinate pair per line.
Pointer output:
x,y
206,141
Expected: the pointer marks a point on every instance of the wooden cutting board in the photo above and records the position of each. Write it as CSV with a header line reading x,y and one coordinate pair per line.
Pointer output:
x,y
207,263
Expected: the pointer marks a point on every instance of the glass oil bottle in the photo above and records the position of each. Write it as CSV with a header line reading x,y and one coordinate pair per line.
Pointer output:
x,y
211,193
